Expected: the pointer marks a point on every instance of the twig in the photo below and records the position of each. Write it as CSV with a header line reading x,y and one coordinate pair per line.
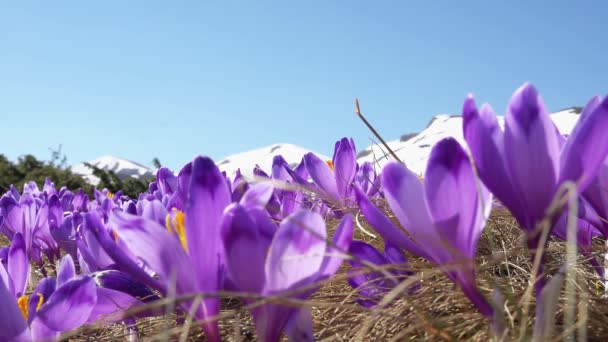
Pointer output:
x,y
371,128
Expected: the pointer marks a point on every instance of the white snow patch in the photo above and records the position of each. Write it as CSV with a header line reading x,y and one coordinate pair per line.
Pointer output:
x,y
246,161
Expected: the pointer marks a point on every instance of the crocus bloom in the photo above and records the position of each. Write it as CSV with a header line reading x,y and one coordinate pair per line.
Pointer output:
x,y
373,285
43,316
595,194
30,217
444,217
298,256
194,262
17,269
65,303
586,230
336,184
366,179
239,186
525,165
80,202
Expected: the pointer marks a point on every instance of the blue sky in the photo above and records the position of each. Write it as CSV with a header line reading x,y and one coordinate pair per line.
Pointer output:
x,y
144,79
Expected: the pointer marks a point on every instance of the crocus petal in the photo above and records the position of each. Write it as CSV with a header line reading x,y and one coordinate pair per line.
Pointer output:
x,y
384,226
153,210
41,332
18,265
111,305
266,228
297,251
289,202
64,235
393,253
42,293
486,143
12,325
70,305
90,248
156,247
587,145
300,326
48,186
245,254
532,152
67,271
345,163
12,214
81,201
340,244
278,168
4,278
366,177
452,198
257,196
366,252
259,173
370,284
404,193
167,182
55,211
124,258
183,183
120,281
208,196
300,170
322,175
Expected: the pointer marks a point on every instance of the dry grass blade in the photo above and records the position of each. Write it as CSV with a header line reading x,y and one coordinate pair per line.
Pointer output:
x,y
571,251
189,318
374,131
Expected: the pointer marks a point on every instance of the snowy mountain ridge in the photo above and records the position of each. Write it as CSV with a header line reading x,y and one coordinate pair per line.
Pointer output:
x,y
413,149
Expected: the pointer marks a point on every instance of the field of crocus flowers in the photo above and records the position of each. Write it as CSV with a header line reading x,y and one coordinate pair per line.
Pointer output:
x,y
502,240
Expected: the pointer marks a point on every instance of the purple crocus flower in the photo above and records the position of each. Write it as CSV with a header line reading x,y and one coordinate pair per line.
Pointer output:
x,y
367,180
336,183
373,285
286,202
31,188
15,268
48,311
164,187
526,164
586,230
297,257
444,216
596,194
81,201
194,262
239,186
30,217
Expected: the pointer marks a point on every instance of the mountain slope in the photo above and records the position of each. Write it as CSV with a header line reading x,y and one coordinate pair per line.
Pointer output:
x,y
122,167
246,161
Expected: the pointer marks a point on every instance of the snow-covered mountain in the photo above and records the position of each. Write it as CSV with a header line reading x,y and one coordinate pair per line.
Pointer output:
x,y
121,167
414,149
246,161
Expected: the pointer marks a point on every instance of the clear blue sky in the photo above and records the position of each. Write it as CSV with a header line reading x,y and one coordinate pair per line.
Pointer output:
x,y
144,79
